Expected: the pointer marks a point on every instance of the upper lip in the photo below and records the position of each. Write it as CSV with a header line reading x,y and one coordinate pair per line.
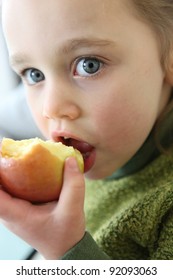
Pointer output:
x,y
69,139
59,136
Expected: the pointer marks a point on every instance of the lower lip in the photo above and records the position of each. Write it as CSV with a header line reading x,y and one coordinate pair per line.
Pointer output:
x,y
89,161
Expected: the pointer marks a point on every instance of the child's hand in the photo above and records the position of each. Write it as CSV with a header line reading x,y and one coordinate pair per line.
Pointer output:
x,y
52,228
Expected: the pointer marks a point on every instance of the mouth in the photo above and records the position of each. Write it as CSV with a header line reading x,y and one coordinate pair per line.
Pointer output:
x,y
87,150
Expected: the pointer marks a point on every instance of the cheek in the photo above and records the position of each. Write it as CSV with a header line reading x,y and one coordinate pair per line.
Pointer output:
x,y
123,125
128,108
116,122
35,105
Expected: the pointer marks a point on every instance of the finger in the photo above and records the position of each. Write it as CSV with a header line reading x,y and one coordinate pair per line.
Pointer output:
x,y
73,190
11,208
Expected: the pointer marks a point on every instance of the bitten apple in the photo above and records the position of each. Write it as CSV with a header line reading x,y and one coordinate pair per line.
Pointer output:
x,y
32,169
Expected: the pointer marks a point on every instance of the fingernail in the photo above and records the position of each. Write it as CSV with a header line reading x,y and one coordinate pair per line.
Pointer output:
x,y
72,164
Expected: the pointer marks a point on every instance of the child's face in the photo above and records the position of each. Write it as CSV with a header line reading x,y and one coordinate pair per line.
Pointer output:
x,y
94,75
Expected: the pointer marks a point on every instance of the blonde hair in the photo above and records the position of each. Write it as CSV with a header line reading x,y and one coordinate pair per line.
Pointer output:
x,y
159,15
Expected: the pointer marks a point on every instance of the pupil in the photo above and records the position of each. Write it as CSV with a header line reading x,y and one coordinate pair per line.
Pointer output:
x,y
91,66
36,76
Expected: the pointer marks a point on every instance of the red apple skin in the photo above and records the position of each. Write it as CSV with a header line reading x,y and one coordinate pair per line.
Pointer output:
x,y
37,177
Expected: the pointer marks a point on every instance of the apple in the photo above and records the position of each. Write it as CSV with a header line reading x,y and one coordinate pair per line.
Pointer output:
x,y
32,169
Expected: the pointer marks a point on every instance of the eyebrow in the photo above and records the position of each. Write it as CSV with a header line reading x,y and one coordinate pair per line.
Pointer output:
x,y
74,44
18,59
70,46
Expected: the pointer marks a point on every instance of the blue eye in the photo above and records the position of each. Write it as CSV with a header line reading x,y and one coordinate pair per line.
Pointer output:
x,y
87,67
33,76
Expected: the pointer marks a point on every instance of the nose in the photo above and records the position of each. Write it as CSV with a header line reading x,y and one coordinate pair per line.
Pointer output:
x,y
60,103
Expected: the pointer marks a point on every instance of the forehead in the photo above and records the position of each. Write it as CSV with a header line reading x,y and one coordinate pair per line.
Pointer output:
x,y
42,18
33,25
58,10
39,15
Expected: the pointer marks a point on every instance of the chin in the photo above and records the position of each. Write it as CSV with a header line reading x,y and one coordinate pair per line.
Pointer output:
x,y
100,172
96,175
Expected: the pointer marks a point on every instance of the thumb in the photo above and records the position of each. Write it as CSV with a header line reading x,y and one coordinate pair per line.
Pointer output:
x,y
73,189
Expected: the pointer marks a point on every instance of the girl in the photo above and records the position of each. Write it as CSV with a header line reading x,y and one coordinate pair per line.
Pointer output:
x,y
98,76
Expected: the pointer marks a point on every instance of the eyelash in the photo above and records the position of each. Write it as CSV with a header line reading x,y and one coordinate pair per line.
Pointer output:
x,y
23,75
91,58
74,65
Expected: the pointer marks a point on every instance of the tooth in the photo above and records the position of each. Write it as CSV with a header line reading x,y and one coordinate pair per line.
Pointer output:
x,y
66,137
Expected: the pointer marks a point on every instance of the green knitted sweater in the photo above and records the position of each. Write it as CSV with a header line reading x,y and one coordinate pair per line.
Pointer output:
x,y
130,218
